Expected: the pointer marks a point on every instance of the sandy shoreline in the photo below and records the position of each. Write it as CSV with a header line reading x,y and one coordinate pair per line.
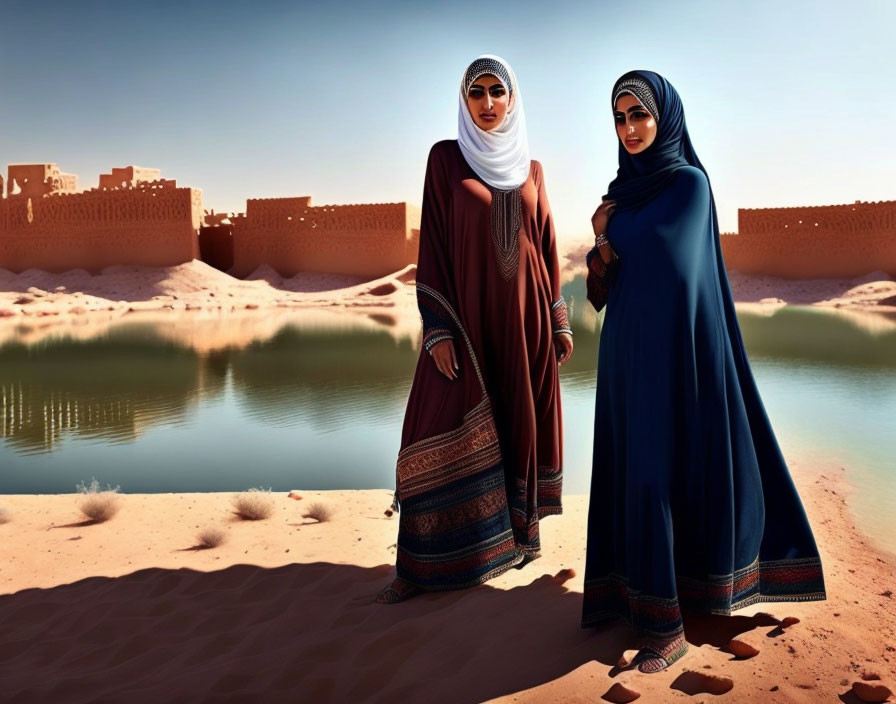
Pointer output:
x,y
40,299
127,610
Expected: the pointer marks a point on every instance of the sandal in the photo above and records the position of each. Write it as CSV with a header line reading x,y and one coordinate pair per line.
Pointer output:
x,y
399,590
650,659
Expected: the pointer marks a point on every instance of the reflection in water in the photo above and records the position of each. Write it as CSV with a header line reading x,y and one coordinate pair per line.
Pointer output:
x,y
110,389
325,380
316,401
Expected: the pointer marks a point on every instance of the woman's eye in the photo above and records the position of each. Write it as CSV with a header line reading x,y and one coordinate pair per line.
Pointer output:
x,y
496,92
476,93
639,115
620,119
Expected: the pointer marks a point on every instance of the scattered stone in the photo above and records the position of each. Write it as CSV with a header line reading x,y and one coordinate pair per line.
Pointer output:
x,y
564,575
742,650
251,306
887,593
870,676
774,689
60,289
23,300
294,495
389,512
789,621
620,694
871,693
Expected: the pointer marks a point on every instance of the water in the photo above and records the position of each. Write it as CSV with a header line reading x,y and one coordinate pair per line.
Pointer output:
x,y
287,403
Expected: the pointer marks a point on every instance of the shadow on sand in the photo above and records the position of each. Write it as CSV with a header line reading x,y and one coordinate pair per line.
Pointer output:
x,y
302,632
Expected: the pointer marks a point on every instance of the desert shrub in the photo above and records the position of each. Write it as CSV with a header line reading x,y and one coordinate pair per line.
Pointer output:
x,y
210,537
318,512
254,504
98,504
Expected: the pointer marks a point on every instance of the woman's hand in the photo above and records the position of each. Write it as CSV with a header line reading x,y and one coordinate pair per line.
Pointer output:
x,y
563,347
602,216
444,356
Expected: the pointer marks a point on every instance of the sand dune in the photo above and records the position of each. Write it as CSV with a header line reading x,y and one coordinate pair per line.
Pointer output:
x,y
129,610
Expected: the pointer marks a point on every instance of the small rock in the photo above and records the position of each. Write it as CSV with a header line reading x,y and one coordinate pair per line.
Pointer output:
x,y
887,593
789,621
871,692
389,512
251,306
774,689
742,650
60,289
23,300
294,495
870,676
620,694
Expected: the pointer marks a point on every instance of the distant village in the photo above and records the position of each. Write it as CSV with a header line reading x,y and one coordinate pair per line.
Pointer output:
x,y
136,217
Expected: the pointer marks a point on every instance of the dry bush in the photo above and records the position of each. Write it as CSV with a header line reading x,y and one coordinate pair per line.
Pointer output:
x,y
254,505
319,512
210,537
99,504
4,516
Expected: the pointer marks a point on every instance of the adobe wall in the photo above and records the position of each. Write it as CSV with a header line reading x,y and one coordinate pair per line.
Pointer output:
x,y
814,242
37,180
131,176
291,235
152,225
216,246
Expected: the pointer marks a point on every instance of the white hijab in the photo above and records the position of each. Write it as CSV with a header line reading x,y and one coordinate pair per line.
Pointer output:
x,y
500,157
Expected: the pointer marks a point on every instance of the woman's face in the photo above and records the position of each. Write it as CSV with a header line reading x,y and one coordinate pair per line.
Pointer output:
x,y
488,102
634,125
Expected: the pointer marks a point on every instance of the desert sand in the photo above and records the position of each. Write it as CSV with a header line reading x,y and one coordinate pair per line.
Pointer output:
x,y
42,300
131,610
38,296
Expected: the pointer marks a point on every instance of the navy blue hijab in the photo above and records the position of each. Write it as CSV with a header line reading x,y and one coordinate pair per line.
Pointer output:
x,y
643,176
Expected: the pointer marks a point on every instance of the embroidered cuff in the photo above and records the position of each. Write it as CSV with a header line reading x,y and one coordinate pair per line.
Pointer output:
x,y
435,335
600,277
560,317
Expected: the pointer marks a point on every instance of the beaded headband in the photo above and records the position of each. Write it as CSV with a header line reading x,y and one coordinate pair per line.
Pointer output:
x,y
481,67
639,88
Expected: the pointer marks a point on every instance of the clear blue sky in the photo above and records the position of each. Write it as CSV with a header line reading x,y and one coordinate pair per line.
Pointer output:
x,y
787,103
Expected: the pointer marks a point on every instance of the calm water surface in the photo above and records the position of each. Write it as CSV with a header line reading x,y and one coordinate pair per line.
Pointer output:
x,y
160,407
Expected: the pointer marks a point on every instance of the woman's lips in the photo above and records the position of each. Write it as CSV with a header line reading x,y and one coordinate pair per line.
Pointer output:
x,y
487,116
634,142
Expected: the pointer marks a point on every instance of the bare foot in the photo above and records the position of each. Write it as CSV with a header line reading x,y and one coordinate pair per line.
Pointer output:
x,y
658,654
399,590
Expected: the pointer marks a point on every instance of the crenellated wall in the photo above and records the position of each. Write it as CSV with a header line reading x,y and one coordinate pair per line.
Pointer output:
x,y
291,235
814,241
152,224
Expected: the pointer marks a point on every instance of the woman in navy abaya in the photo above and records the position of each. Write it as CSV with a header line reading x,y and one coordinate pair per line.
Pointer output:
x,y
692,505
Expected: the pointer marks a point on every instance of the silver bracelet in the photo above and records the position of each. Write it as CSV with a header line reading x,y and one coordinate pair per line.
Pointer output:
x,y
601,239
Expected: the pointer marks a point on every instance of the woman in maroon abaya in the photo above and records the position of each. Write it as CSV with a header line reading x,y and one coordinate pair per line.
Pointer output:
x,y
481,460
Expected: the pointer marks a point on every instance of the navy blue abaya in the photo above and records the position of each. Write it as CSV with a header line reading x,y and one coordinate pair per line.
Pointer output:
x,y
692,504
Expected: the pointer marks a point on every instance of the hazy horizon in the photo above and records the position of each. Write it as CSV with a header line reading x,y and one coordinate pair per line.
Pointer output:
x,y
784,103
